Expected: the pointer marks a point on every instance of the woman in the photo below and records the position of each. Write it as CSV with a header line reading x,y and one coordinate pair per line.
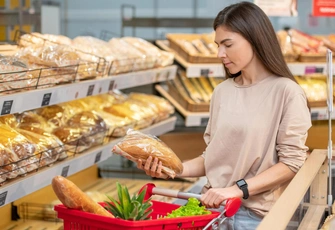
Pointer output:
x,y
258,123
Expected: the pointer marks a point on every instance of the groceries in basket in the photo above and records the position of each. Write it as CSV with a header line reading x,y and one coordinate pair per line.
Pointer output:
x,y
73,197
129,208
137,145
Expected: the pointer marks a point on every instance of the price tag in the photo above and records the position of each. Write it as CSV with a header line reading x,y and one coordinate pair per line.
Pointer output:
x,y
65,171
6,107
111,85
204,72
98,157
3,197
314,115
46,99
204,121
90,90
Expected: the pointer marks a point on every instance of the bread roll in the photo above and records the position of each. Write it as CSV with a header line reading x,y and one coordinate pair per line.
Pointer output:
x,y
137,145
72,197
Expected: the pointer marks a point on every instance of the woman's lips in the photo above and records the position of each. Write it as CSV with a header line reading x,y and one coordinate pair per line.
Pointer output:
x,y
227,63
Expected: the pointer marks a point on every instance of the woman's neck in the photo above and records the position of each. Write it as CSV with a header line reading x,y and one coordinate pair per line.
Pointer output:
x,y
254,72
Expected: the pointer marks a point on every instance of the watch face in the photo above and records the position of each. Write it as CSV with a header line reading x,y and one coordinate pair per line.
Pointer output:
x,y
240,183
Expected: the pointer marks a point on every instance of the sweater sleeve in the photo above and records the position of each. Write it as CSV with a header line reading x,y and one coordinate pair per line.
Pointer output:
x,y
292,132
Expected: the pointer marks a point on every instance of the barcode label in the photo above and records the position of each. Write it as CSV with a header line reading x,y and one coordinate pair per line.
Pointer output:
x,y
204,121
98,157
3,197
65,171
6,107
46,99
90,90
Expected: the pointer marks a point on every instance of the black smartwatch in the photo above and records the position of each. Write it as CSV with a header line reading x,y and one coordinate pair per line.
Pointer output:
x,y
242,184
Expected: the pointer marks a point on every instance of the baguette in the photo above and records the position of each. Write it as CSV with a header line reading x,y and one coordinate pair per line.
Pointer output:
x,y
72,197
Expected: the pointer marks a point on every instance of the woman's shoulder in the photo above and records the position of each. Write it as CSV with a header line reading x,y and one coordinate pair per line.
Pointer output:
x,y
287,85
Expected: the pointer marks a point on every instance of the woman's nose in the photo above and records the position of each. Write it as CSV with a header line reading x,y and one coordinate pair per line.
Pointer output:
x,y
222,53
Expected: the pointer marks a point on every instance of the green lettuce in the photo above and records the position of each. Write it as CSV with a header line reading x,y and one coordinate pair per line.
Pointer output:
x,y
192,208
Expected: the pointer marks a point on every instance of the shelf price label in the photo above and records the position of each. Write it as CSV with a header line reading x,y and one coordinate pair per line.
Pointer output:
x,y
6,107
111,85
46,99
90,90
204,121
204,72
98,157
65,171
3,197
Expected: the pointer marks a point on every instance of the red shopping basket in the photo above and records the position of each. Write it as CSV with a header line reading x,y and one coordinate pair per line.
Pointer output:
x,y
79,220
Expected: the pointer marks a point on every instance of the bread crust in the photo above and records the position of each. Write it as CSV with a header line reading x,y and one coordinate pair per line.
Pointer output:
x,y
72,197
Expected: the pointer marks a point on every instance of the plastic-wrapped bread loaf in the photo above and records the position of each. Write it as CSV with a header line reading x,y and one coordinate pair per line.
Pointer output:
x,y
9,120
137,145
48,147
22,148
8,167
162,106
82,131
159,57
55,115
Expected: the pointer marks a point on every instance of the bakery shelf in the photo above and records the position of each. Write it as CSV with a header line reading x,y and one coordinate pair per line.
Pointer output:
x,y
20,187
192,119
216,70
27,100
200,119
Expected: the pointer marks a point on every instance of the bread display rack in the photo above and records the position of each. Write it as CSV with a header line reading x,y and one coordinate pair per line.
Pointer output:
x,y
216,69
193,119
17,102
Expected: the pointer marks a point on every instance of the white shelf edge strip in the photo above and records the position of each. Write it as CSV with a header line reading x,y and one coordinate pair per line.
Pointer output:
x,y
34,181
191,118
23,101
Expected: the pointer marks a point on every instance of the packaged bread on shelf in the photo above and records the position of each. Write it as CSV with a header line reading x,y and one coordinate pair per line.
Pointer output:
x,y
152,53
128,58
75,106
99,101
116,126
14,75
134,110
163,107
93,49
55,115
22,148
8,167
32,119
9,120
48,147
136,145
82,131
36,39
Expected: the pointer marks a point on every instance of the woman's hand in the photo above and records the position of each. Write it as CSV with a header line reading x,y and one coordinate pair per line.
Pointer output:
x,y
152,167
215,196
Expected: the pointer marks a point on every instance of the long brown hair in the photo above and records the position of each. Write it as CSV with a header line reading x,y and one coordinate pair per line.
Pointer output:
x,y
251,22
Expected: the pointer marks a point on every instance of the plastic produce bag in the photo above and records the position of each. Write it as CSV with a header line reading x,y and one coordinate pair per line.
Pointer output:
x,y
136,145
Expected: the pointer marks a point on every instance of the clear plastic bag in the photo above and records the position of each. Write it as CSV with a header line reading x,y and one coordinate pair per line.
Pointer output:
x,y
163,107
82,131
48,147
22,148
136,145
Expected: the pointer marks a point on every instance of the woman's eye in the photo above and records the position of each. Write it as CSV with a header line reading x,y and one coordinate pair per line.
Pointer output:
x,y
228,46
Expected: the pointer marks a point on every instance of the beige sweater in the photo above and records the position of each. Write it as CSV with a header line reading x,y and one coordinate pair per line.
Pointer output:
x,y
253,127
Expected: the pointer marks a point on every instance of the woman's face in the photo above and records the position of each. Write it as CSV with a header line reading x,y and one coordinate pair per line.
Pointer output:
x,y
235,51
